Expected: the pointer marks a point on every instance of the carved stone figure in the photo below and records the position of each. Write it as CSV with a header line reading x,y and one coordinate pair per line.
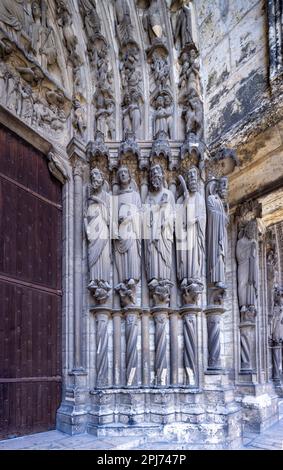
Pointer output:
x,y
183,28
160,70
27,103
277,318
3,80
32,75
91,19
43,40
104,105
247,272
193,116
190,231
14,15
124,27
162,115
159,230
66,22
216,233
98,236
152,23
131,112
79,119
128,244
190,72
13,91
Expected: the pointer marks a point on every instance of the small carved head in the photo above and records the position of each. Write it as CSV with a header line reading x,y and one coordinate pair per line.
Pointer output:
x,y
223,188
97,178
192,179
156,176
36,10
123,176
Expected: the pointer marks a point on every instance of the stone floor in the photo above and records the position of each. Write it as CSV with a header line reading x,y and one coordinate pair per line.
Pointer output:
x,y
272,439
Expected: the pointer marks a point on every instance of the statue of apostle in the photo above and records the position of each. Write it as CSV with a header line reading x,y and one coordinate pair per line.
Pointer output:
x,y
217,220
127,246
247,272
159,227
97,222
190,230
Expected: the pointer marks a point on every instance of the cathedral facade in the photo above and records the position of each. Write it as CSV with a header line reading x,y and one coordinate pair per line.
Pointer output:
x,y
141,190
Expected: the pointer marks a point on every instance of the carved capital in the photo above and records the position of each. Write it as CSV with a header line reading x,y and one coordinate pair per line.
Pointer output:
x,y
160,291
100,290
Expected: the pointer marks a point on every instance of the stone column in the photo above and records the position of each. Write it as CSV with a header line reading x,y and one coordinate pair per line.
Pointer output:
x,y
174,348
161,368
247,342
213,318
76,152
276,362
190,344
117,352
145,349
131,316
102,319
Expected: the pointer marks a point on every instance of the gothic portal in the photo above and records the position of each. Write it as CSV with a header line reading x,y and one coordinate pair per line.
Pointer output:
x,y
150,285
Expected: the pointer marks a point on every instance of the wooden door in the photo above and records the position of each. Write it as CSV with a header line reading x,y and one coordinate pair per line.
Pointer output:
x,y
30,289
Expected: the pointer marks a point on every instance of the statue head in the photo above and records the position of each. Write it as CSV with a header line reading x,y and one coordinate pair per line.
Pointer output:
x,y
223,188
156,176
36,10
124,177
192,179
97,179
249,230
160,101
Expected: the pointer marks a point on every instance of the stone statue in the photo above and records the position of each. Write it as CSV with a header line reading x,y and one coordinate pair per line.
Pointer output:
x,y
277,317
14,15
160,70
128,244
152,23
97,222
131,112
159,227
43,40
190,72
66,22
190,232
247,272
217,220
27,103
163,115
91,19
79,119
104,105
124,27
184,26
13,91
193,116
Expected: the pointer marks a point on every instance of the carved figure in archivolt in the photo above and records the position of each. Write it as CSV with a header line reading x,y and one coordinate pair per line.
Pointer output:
x,y
183,28
124,27
97,223
132,112
190,229
128,243
152,22
43,39
14,14
217,220
159,227
247,271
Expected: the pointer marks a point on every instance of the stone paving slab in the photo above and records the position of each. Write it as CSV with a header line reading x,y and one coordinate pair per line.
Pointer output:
x,y
271,439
